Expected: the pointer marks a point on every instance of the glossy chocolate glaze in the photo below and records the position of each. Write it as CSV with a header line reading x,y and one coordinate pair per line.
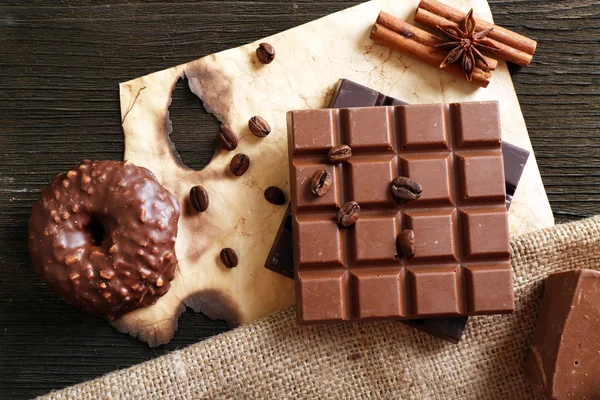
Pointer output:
x,y
103,237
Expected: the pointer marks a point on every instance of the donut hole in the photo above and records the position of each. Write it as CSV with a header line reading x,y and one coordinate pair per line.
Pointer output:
x,y
97,231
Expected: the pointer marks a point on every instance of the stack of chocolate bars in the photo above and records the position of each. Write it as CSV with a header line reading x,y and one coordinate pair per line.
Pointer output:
x,y
344,246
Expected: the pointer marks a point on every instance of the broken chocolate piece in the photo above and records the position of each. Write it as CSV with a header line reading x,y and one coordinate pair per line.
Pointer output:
x,y
515,159
564,357
281,256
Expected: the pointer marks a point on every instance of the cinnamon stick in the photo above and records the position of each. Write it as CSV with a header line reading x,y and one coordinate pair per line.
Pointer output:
x,y
406,43
423,37
513,47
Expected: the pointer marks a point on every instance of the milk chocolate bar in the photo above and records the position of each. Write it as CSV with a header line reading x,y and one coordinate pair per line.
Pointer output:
x,y
564,357
349,94
461,260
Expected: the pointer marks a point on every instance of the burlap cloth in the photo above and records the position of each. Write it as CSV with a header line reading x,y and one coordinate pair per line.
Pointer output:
x,y
275,358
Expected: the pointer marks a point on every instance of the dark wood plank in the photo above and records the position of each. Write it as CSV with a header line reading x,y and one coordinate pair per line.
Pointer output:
x,y
60,65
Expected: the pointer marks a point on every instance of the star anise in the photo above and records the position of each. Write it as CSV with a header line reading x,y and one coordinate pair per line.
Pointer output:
x,y
466,45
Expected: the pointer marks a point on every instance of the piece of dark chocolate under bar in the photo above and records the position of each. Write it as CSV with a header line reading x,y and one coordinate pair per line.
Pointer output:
x,y
515,159
281,256
349,94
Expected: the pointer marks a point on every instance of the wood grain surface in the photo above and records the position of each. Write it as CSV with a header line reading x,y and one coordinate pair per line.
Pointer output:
x,y
60,65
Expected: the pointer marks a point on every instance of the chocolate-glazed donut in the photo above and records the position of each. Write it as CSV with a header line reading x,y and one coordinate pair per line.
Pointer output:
x,y
103,237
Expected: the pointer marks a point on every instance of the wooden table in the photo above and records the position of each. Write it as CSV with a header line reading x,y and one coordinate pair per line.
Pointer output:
x,y
60,68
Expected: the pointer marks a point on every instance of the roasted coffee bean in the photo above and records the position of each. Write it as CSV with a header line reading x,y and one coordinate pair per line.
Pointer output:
x,y
339,154
321,182
265,53
259,127
406,243
227,138
404,188
199,198
274,195
239,164
229,258
348,214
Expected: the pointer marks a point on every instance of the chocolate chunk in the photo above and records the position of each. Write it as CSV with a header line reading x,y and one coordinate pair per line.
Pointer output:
x,y
564,357
459,221
274,195
448,329
239,164
515,159
351,94
281,256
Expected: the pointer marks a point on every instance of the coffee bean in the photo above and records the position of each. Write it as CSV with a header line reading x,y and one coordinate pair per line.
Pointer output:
x,y
227,138
265,53
199,198
239,164
274,195
406,243
404,188
339,154
259,127
321,182
229,258
348,214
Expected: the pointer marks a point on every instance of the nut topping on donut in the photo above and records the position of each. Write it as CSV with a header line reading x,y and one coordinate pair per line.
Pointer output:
x,y
103,237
